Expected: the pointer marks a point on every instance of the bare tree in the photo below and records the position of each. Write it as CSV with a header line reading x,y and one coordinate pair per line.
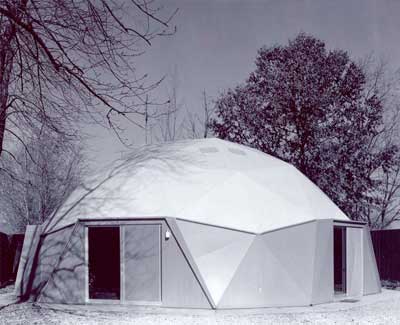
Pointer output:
x,y
39,179
175,122
198,125
389,208
168,122
383,206
62,61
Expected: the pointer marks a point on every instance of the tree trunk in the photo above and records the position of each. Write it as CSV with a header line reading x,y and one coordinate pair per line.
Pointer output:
x,y
3,109
6,61
6,65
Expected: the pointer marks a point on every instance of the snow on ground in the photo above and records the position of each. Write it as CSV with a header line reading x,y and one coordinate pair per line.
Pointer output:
x,y
7,289
377,309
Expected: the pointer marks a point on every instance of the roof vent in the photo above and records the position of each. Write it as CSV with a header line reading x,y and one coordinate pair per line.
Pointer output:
x,y
237,151
208,150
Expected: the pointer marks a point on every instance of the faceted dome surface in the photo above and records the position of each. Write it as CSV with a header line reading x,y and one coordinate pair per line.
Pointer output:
x,y
209,181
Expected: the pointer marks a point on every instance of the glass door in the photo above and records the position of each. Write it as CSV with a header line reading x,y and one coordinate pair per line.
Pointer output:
x,y
142,263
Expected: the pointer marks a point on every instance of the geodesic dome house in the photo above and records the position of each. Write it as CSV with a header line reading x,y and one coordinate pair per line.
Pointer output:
x,y
199,224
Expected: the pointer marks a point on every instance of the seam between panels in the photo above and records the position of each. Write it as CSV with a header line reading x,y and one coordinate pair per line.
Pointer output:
x,y
317,224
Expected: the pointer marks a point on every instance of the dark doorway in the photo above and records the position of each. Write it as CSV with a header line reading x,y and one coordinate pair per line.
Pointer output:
x,y
339,259
104,263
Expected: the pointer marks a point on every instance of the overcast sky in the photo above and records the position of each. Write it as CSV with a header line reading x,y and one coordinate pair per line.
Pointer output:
x,y
217,41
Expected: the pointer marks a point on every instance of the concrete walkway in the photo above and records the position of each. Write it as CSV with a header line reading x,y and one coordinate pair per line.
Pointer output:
x,y
386,295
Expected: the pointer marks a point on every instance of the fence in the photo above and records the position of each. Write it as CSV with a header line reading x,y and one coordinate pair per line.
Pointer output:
x,y
10,252
387,252
3,259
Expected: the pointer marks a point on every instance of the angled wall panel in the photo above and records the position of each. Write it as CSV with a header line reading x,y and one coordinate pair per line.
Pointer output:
x,y
217,253
372,282
276,271
180,285
52,246
66,283
24,281
294,248
323,263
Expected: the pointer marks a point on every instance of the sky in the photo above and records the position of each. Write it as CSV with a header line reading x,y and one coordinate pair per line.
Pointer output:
x,y
216,44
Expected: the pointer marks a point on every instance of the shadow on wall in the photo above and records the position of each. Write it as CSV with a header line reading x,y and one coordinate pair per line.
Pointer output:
x,y
49,257
52,266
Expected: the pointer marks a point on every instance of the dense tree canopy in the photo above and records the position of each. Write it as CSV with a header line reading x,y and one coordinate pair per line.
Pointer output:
x,y
309,106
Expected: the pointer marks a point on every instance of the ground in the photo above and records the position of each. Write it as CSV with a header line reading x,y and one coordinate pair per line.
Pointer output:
x,y
7,289
375,309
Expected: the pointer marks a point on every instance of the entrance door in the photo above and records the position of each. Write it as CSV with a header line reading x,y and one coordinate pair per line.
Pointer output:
x,y
354,259
339,259
104,263
142,263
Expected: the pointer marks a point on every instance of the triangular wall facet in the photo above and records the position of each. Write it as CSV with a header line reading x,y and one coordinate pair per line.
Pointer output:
x,y
371,275
217,253
275,271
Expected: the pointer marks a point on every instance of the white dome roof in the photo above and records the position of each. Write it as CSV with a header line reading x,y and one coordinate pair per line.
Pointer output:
x,y
208,181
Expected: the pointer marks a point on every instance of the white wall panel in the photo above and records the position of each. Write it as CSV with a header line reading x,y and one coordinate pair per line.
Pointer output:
x,y
323,263
276,271
180,285
31,241
372,282
217,253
